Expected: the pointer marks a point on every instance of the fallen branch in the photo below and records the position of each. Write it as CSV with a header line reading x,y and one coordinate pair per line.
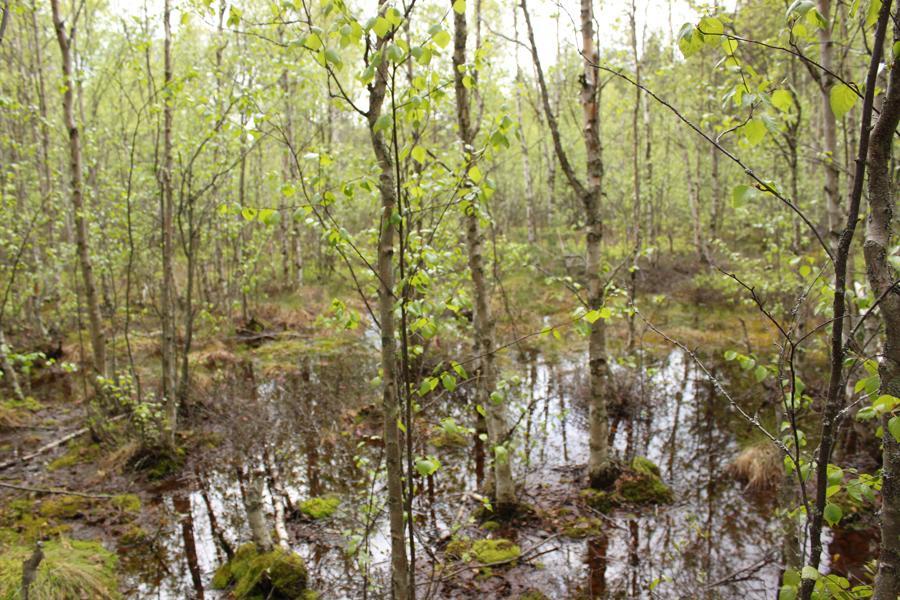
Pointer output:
x,y
25,488
51,445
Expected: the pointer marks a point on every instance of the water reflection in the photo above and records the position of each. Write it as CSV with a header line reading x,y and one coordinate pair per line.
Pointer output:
x,y
316,428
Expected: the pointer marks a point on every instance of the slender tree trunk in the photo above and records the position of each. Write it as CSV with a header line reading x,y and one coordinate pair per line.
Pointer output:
x,y
9,373
167,290
636,178
600,469
881,275
835,399
98,338
829,128
253,505
504,487
385,267
530,208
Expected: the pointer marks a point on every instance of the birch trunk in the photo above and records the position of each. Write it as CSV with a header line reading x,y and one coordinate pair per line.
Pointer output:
x,y
95,324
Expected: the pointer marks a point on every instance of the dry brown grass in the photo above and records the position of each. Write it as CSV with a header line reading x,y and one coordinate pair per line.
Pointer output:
x,y
759,466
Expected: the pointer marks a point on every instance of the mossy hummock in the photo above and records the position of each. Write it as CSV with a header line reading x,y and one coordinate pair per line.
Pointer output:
x,y
70,569
320,507
251,575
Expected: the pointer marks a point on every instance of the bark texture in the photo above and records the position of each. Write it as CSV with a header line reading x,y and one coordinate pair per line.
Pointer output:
x,y
881,275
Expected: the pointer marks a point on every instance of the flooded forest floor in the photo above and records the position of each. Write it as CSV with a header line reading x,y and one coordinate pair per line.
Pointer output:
x,y
296,398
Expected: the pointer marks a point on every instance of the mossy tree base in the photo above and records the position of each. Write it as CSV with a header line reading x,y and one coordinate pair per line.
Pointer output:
x,y
275,575
637,484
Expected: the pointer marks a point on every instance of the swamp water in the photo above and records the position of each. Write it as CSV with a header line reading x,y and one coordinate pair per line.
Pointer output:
x,y
321,430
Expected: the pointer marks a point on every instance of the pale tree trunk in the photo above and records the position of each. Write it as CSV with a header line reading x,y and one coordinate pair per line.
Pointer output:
x,y
530,208
636,174
390,396
253,505
98,338
167,290
9,373
829,129
882,276
504,487
600,468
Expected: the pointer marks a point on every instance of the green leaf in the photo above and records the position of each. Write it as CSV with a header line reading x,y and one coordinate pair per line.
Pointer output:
x,y
418,153
427,466
711,29
872,13
729,46
809,572
248,213
832,514
459,7
787,592
894,427
475,174
741,194
332,57
842,98
448,381
441,38
782,100
760,373
689,39
754,131
381,26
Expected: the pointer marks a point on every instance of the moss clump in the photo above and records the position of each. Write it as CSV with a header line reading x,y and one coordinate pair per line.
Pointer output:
x,y
583,527
533,595
644,465
447,439
635,487
599,500
490,525
495,551
458,548
128,503
71,569
63,507
320,507
251,574
158,462
76,455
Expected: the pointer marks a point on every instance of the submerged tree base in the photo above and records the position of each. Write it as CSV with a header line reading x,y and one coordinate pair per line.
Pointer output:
x,y
276,575
636,484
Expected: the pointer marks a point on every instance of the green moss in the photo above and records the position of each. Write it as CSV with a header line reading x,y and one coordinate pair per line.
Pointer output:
x,y
583,527
78,453
533,595
494,551
129,503
640,488
71,569
275,574
29,404
599,500
320,507
133,536
63,507
645,465
490,525
458,548
446,439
